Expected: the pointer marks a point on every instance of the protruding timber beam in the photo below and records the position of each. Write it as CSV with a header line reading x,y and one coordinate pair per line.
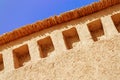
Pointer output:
x,y
8,60
58,41
84,33
34,50
108,26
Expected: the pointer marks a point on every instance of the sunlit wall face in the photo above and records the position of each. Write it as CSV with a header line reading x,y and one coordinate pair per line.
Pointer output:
x,y
16,13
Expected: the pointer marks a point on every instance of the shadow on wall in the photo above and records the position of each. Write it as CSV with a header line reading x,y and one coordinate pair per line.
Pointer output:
x,y
1,62
96,29
21,55
70,37
45,46
116,20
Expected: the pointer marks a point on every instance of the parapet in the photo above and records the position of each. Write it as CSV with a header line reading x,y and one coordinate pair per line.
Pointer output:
x,y
89,24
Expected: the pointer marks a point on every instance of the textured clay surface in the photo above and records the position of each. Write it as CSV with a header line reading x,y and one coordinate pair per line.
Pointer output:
x,y
96,61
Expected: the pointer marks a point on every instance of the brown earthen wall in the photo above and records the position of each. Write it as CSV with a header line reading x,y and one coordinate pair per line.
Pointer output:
x,y
60,38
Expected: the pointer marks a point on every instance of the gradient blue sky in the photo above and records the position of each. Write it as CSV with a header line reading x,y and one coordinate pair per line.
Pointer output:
x,y
16,13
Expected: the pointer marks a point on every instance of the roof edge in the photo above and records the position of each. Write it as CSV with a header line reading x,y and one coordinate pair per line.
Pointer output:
x,y
52,21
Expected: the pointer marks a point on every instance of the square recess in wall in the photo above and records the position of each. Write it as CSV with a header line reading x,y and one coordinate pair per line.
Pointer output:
x,y
21,55
70,37
1,63
45,46
96,29
116,20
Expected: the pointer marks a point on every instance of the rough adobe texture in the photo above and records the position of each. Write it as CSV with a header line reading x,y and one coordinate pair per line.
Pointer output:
x,y
86,48
98,61
64,17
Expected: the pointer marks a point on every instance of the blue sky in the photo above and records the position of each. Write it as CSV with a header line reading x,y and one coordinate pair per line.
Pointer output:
x,y
17,13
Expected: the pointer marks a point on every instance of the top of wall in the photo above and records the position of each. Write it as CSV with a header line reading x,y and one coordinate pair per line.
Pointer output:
x,y
52,21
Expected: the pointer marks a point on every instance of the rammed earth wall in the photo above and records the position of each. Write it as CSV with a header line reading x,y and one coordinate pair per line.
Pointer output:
x,y
59,34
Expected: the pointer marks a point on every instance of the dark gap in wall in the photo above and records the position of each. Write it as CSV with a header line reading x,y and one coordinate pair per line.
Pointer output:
x,y
70,37
116,21
45,46
96,29
1,62
21,55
